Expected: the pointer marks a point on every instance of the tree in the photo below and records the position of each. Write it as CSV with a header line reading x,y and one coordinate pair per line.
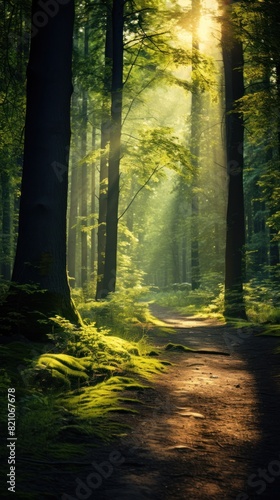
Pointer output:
x,y
40,260
115,149
84,175
105,139
195,140
235,236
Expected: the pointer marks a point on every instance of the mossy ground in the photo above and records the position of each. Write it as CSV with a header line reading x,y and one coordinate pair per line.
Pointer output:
x,y
74,386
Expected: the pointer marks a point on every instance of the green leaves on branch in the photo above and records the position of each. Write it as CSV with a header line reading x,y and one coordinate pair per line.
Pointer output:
x,y
160,148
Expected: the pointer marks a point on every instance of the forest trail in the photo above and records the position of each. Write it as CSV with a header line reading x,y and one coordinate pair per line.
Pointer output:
x,y
206,427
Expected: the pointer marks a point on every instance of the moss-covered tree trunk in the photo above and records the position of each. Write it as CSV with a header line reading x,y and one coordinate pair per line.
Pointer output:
x,y
41,247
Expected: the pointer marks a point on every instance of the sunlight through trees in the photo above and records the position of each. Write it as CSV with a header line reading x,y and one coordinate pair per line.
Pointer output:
x,y
162,132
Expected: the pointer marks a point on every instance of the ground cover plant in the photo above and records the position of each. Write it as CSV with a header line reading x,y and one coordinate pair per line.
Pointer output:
x,y
75,384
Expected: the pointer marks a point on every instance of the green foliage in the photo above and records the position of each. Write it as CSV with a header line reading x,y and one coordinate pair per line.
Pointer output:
x,y
72,387
124,308
161,147
187,302
263,301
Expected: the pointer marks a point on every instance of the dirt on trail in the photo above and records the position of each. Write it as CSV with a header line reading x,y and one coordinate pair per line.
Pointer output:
x,y
208,428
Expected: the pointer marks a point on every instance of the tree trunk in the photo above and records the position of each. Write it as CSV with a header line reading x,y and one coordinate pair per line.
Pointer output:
x,y
115,150
83,194
41,247
175,261
84,179
195,150
92,207
105,139
73,215
184,258
235,237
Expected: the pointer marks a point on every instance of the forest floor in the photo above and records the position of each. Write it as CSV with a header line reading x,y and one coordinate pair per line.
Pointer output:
x,y
208,428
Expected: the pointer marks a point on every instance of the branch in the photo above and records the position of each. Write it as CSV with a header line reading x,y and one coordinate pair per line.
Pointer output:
x,y
136,96
133,63
157,169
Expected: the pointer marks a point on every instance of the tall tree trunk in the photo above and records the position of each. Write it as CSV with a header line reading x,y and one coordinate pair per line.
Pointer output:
x,y
115,150
92,206
83,197
175,260
73,217
235,237
84,178
105,139
184,258
41,247
73,209
195,150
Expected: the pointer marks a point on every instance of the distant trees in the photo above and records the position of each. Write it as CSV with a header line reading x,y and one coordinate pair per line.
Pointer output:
x,y
262,152
14,46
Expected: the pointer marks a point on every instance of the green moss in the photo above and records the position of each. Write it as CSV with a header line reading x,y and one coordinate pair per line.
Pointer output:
x,y
145,365
92,406
66,360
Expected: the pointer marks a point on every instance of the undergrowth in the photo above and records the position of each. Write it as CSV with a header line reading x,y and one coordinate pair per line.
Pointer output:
x,y
262,301
74,385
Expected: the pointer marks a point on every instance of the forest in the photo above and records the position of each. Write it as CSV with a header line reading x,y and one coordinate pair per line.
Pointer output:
x,y
139,249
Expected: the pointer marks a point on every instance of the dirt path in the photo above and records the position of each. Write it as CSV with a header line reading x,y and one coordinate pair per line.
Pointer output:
x,y
206,428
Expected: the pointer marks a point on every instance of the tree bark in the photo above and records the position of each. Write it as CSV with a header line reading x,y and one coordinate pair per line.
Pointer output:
x,y
41,247
110,270
84,178
73,215
195,150
105,139
235,237
92,206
